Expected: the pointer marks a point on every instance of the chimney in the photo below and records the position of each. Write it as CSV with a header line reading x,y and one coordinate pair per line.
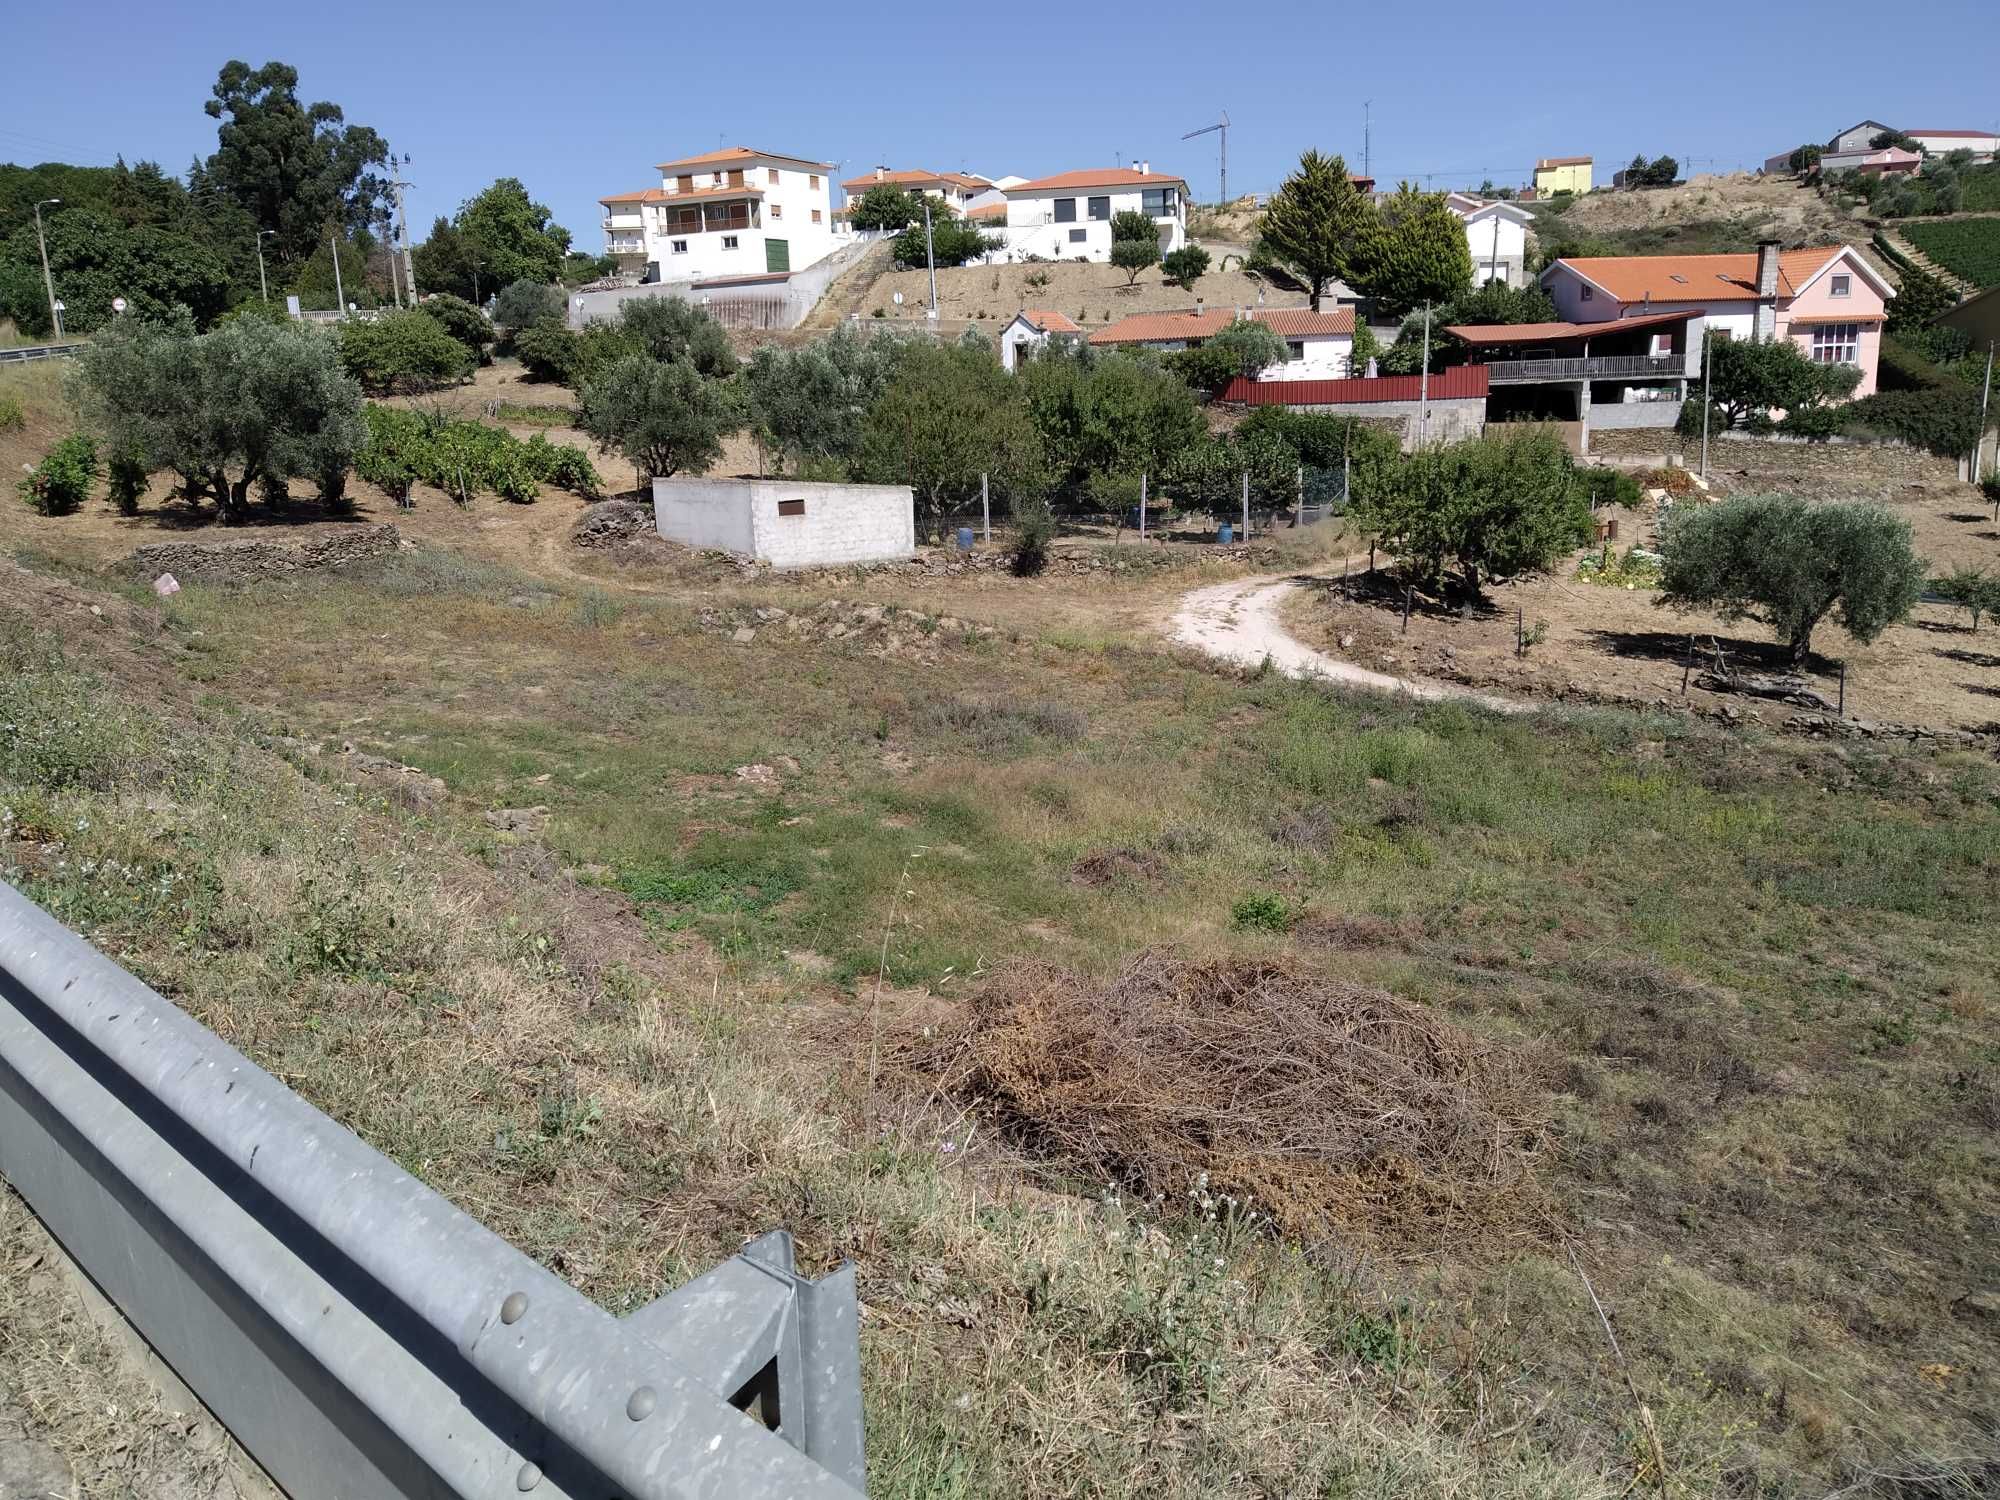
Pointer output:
x,y
1766,325
880,173
1145,167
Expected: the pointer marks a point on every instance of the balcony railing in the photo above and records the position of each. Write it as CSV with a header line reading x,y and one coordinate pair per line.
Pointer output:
x,y
1592,367
624,245
622,221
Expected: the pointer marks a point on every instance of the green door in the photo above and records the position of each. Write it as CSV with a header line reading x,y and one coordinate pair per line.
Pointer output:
x,y
777,255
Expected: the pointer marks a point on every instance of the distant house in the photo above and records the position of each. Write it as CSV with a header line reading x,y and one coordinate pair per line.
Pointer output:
x,y
1890,161
733,212
1030,329
1983,144
1827,299
1320,344
959,190
1562,174
1443,408
1856,137
1496,234
1068,216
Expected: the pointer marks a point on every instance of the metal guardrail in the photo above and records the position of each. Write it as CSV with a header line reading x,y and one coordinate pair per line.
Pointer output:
x,y
38,351
1606,366
358,1334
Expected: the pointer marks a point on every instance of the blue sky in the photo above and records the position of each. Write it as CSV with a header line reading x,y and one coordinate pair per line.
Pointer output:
x,y
581,100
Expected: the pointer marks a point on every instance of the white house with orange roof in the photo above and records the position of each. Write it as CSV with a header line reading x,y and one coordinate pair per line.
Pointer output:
x,y
1068,216
1828,300
957,190
1031,329
733,212
1320,345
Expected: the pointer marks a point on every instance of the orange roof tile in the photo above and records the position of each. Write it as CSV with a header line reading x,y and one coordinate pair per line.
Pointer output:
x,y
739,154
1091,177
1529,333
1286,322
1050,321
912,179
993,212
648,195
1697,278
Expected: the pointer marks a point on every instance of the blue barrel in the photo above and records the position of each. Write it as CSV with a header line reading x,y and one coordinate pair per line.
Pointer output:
x,y
965,538
1226,534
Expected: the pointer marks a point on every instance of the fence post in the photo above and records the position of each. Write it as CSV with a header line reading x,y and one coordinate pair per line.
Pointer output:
x,y
985,510
1409,590
1142,507
1841,712
1246,505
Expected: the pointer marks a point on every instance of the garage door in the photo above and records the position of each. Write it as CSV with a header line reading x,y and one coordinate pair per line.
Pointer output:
x,y
777,255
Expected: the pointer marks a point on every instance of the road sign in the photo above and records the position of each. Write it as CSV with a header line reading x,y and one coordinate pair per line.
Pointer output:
x,y
118,304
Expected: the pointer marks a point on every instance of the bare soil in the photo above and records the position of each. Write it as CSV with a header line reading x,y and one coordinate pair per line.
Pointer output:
x,y
1092,294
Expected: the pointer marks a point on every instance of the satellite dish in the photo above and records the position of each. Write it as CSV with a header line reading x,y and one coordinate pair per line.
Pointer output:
x,y
897,299
118,304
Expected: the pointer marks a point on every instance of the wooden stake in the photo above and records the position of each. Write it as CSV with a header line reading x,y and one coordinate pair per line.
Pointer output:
x,y
1687,665
1408,590
1843,690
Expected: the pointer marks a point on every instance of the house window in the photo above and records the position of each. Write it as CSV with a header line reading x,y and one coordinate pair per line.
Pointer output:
x,y
816,218
1159,203
791,507
1836,344
1076,236
1590,294
812,179
680,247
1841,286
1100,206
686,184
729,242
1295,348
777,210
771,176
1065,210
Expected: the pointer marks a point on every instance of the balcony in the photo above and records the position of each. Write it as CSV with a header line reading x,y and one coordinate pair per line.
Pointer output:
x,y
625,244
1592,367
622,221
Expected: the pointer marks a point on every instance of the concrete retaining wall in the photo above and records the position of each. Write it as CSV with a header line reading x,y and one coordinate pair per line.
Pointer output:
x,y
789,523
1607,416
795,297
1451,421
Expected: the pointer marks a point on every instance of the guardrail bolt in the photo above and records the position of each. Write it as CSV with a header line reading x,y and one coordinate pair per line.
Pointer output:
x,y
511,1311
529,1477
642,1403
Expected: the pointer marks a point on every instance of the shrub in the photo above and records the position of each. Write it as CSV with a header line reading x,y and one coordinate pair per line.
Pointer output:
x,y
128,482
1602,486
663,415
12,418
466,458
61,481
1973,589
953,242
1183,267
462,321
549,351
1817,423
524,304
1133,256
1789,562
1942,419
1264,911
1034,529
407,351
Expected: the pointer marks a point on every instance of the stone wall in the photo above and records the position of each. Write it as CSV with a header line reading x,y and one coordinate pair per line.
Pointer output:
x,y
332,546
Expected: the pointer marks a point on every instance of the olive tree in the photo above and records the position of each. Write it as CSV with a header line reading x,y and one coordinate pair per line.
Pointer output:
x,y
664,415
248,402
807,403
950,415
1790,562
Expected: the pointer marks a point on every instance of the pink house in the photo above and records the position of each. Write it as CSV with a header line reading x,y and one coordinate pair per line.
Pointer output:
x,y
1827,300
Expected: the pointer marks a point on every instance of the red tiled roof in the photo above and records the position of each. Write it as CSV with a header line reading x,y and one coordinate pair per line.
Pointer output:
x,y
1704,278
1091,177
647,195
1286,322
988,213
912,179
740,154
1460,383
1562,161
1050,321
1529,333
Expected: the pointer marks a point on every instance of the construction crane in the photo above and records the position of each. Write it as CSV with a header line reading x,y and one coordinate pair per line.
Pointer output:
x,y
1221,125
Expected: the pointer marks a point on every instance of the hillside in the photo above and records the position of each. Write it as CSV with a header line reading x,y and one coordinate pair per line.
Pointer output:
x,y
1091,294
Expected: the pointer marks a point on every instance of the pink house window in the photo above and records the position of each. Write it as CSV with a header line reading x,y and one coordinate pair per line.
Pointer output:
x,y
1836,344
1840,286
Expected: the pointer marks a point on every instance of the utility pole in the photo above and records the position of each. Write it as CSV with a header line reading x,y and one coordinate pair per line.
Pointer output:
x,y
389,246
930,257
1424,387
48,281
1707,348
409,262
339,294
263,286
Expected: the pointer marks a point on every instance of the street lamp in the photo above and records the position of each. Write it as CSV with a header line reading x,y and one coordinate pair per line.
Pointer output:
x,y
262,284
48,281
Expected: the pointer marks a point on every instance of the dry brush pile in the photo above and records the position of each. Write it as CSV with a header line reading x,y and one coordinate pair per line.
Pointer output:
x,y
1332,1106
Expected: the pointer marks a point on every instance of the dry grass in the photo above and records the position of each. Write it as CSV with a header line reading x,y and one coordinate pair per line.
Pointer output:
x,y
1333,1107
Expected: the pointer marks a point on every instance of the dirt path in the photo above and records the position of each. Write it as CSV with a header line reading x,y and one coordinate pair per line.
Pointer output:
x,y
1238,622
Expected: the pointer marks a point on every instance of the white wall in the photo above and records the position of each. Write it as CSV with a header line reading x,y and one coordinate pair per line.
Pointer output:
x,y
836,523
1325,359
1480,234
1015,338
1031,228
784,212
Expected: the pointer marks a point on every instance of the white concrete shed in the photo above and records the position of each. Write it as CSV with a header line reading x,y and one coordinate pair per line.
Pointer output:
x,y
789,523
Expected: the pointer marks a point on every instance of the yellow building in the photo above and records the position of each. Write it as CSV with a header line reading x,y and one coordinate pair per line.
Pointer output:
x,y
1562,174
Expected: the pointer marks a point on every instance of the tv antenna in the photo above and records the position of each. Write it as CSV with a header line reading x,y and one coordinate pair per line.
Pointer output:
x,y
1221,126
